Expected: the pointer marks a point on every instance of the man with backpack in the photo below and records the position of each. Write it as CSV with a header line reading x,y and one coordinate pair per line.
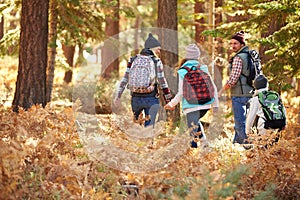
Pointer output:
x,y
238,85
266,109
143,75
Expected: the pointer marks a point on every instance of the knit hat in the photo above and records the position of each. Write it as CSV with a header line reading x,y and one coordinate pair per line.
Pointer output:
x,y
151,42
239,36
192,52
260,82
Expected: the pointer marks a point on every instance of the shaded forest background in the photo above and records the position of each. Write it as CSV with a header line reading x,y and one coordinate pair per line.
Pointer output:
x,y
43,154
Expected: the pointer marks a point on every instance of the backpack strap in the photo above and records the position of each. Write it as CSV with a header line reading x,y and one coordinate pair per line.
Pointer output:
x,y
189,69
155,68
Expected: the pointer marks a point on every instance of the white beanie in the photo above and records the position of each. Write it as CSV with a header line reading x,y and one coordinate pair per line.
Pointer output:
x,y
192,52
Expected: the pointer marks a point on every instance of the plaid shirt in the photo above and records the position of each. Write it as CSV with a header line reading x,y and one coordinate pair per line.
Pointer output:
x,y
237,65
160,78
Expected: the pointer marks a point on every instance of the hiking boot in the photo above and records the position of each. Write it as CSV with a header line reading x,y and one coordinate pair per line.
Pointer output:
x,y
193,144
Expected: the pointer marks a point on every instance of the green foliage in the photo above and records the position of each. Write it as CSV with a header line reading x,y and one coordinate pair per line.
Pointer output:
x,y
268,194
260,18
79,21
9,44
232,181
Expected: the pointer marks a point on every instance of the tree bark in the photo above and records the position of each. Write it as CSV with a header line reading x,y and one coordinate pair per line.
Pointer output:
x,y
110,50
199,22
31,79
69,54
1,27
275,25
167,19
137,28
168,37
219,49
52,48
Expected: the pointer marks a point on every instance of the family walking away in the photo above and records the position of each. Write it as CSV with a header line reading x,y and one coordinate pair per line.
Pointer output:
x,y
196,91
143,76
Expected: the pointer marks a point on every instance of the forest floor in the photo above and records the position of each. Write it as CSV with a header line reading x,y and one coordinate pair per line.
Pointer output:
x,y
58,152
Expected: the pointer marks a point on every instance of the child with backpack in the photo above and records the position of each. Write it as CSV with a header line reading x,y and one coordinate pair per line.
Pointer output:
x,y
266,108
196,90
143,75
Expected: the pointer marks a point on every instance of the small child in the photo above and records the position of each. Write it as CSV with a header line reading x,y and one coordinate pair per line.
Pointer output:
x,y
256,111
193,112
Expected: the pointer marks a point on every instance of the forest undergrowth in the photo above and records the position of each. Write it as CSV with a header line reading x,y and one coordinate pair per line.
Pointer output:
x,y
46,154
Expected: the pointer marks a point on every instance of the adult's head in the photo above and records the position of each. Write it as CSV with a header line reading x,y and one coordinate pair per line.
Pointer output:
x,y
153,44
192,52
260,82
237,41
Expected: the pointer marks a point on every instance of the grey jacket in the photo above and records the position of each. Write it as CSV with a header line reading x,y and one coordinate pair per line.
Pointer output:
x,y
242,89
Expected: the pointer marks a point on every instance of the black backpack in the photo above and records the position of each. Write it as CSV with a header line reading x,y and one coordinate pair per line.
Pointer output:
x,y
273,109
254,66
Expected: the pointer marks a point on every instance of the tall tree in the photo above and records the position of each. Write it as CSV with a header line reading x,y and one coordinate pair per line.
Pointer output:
x,y
31,79
1,27
199,21
137,28
69,51
110,50
167,20
168,36
53,18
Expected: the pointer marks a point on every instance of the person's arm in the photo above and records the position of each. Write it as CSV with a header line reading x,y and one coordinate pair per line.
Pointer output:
x,y
253,109
237,65
123,82
171,105
216,101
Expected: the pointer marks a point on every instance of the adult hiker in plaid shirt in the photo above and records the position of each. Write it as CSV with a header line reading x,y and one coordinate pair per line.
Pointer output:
x,y
237,83
147,102
193,111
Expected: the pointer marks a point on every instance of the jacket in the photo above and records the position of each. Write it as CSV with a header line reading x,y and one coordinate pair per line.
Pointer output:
x,y
242,89
255,111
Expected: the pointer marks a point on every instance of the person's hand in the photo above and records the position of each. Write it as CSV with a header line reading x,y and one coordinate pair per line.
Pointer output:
x,y
117,101
220,92
226,87
169,107
215,110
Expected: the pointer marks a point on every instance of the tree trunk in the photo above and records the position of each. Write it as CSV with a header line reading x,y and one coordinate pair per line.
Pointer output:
x,y
69,54
110,50
219,49
167,20
168,36
31,79
137,28
274,25
1,27
199,22
52,49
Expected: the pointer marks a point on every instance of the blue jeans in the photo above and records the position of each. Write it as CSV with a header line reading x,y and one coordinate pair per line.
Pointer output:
x,y
150,106
193,119
239,108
